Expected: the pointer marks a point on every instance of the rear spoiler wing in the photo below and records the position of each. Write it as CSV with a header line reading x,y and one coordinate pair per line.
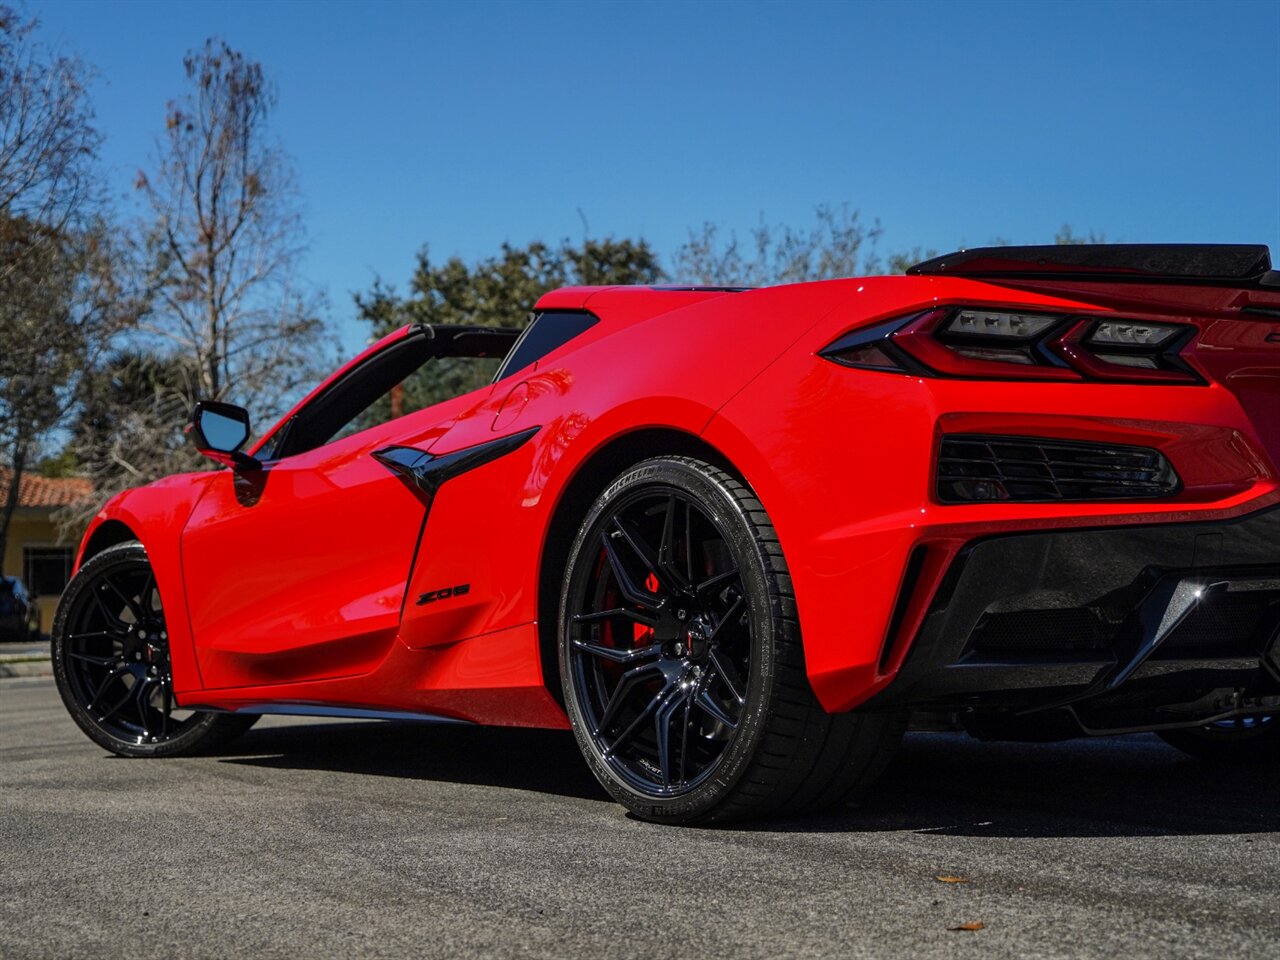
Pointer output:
x,y
1241,266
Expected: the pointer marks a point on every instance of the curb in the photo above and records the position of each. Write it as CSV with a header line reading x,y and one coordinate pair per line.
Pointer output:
x,y
27,668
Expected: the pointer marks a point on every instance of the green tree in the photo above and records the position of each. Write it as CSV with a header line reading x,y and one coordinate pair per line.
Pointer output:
x,y
130,418
497,291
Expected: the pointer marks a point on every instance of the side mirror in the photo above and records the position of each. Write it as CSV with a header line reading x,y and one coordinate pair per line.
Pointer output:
x,y
219,430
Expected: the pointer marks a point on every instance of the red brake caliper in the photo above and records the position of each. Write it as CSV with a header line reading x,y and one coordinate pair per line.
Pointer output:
x,y
644,635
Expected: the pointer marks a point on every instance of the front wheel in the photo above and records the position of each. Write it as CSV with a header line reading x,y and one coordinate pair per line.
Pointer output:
x,y
111,663
681,661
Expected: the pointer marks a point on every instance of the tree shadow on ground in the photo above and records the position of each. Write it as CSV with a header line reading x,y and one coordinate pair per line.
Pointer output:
x,y
946,784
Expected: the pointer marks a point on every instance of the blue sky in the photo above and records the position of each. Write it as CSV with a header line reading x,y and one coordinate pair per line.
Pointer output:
x,y
953,123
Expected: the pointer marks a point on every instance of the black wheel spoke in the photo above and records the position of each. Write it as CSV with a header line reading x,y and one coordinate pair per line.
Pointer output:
x,y
166,708
630,591
640,718
102,687
719,580
708,703
128,601
666,564
115,707
98,635
688,552
662,731
618,655
728,675
107,613
629,681
684,736
731,618
639,546
141,697
638,616
95,660
144,596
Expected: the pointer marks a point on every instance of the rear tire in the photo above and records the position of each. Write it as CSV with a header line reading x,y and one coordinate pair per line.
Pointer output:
x,y
681,659
1244,740
111,663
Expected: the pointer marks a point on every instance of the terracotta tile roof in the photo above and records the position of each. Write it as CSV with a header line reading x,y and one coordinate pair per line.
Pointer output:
x,y
38,491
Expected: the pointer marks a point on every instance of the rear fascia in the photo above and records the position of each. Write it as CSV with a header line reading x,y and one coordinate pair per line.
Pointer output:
x,y
862,446
1125,581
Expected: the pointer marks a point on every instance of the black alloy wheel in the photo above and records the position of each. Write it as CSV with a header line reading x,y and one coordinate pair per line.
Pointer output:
x,y
112,664
680,656
661,642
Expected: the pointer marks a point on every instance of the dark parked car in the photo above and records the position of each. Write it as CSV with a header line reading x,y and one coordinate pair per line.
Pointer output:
x,y
19,618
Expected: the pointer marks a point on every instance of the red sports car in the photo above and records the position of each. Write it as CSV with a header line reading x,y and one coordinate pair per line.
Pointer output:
x,y
735,539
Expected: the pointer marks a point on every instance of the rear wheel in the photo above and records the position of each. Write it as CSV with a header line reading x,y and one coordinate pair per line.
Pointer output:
x,y
1243,739
681,661
111,663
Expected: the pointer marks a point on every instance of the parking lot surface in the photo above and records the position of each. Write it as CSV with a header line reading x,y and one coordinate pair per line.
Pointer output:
x,y
377,839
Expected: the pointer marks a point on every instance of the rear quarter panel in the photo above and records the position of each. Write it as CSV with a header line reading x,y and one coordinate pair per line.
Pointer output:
x,y
487,528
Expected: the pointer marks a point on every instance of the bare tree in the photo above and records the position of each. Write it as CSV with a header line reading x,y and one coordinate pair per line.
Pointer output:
x,y
47,139
227,316
1067,237
59,297
833,247
225,239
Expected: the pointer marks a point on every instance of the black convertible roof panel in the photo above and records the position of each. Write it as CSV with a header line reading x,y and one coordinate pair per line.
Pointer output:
x,y
1237,265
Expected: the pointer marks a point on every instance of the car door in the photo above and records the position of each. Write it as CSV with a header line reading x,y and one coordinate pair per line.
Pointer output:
x,y
297,571
482,528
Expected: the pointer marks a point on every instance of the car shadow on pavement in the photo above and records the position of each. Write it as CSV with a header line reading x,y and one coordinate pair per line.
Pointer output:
x,y
946,784
1133,786
545,761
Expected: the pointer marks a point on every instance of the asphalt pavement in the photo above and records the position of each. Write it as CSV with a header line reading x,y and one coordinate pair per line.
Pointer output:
x,y
316,839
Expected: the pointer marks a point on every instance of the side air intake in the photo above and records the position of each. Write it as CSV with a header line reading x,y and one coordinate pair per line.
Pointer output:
x,y
974,469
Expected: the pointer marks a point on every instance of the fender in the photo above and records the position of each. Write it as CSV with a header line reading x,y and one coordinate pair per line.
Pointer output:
x,y
157,515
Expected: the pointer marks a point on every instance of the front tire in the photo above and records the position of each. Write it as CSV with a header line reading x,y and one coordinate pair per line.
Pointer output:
x,y
110,647
681,660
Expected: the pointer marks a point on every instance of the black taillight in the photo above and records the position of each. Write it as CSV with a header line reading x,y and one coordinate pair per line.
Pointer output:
x,y
976,343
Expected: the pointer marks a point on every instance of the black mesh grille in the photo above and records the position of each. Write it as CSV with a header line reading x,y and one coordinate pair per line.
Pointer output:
x,y
1239,622
981,468
1027,631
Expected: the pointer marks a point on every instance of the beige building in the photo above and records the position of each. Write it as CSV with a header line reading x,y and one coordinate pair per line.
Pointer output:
x,y
34,552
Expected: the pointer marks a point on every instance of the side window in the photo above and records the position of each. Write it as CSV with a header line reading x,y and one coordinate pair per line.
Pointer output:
x,y
440,379
427,366
549,330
